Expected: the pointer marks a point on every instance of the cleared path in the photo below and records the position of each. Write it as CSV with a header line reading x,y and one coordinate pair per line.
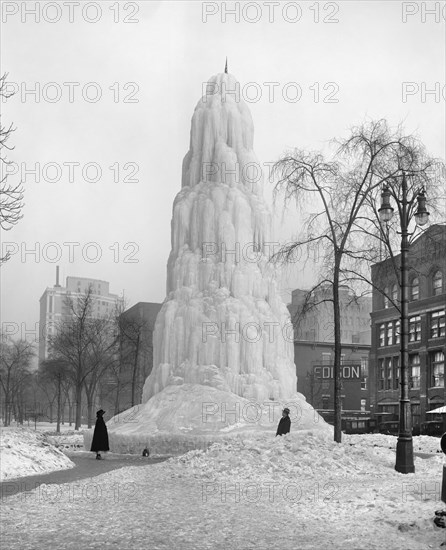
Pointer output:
x,y
86,466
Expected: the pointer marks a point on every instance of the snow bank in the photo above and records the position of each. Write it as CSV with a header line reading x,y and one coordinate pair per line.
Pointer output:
x,y
25,452
421,443
296,456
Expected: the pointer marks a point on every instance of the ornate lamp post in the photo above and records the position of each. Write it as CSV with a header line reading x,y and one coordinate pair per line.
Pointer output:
x,y
404,448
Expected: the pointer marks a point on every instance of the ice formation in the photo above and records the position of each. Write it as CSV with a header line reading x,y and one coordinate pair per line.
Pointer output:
x,y
223,323
223,335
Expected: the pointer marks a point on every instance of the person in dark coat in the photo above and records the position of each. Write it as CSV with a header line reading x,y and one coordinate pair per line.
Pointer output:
x,y
284,423
100,436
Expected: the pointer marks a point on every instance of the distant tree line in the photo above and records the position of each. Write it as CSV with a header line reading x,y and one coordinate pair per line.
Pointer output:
x,y
92,361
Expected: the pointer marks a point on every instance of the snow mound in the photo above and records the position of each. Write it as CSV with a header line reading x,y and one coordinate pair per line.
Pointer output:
x,y
191,416
421,443
25,452
299,455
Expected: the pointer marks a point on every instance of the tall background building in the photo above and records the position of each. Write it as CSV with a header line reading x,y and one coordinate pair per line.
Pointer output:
x,y
54,305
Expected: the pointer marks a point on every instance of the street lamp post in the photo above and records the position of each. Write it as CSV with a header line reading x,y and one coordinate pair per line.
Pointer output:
x,y
404,448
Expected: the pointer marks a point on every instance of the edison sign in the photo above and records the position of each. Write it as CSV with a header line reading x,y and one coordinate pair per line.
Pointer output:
x,y
348,372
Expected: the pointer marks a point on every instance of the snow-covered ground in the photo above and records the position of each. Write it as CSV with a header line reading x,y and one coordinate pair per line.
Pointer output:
x,y
301,491
298,491
25,452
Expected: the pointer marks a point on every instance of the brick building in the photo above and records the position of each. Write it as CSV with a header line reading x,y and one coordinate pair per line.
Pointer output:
x,y
427,340
314,352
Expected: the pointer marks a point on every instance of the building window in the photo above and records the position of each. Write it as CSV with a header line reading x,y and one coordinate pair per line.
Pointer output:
x,y
382,335
363,404
326,358
415,328
414,365
386,297
381,374
437,283
390,328
397,332
395,293
388,373
364,372
437,324
437,369
396,373
415,288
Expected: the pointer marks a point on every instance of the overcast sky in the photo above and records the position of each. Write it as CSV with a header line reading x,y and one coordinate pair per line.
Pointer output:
x,y
150,74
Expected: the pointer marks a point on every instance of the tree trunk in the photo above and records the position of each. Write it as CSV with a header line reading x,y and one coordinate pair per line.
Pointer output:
x,y
90,411
117,411
337,356
78,403
58,404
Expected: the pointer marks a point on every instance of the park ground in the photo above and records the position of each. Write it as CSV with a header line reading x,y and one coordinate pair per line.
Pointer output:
x,y
296,492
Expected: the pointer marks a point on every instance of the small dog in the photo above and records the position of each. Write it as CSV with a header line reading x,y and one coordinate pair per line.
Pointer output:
x,y
145,452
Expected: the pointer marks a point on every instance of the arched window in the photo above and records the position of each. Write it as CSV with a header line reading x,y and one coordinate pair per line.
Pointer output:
x,y
415,288
395,292
437,283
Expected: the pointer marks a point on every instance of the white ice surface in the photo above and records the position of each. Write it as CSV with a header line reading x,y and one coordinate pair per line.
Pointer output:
x,y
223,334
218,275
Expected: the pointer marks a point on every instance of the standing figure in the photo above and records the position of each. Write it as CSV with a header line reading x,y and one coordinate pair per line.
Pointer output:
x,y
100,436
284,423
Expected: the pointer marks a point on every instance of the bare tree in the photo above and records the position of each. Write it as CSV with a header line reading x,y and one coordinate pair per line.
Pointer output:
x,y
11,196
339,192
70,345
51,376
15,370
101,358
85,344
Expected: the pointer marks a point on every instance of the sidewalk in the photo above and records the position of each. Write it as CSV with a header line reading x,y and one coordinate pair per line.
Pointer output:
x,y
86,466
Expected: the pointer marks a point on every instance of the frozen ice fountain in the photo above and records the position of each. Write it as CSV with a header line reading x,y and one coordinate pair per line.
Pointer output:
x,y
223,341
